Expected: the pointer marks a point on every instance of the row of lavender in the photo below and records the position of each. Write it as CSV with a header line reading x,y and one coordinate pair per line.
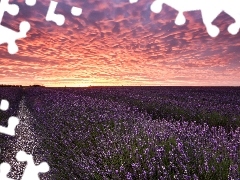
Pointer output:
x,y
95,138
216,106
13,95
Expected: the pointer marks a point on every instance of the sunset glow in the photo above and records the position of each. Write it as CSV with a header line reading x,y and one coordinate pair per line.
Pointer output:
x,y
115,43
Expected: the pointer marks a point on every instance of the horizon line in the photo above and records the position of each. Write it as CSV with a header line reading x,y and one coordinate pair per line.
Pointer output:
x,y
9,85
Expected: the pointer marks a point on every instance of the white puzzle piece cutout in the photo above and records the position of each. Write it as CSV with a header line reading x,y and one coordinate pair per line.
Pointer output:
x,y
4,105
30,2
133,1
231,7
12,121
7,35
51,16
209,9
12,9
4,170
76,11
31,171
12,124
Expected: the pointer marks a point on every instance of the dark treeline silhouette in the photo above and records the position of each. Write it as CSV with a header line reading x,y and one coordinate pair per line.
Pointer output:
x,y
7,85
37,86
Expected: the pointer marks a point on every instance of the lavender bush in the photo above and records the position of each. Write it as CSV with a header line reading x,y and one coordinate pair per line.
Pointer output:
x,y
93,134
216,106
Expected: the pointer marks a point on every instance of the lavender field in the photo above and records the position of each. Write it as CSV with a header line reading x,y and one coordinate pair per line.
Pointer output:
x,y
129,132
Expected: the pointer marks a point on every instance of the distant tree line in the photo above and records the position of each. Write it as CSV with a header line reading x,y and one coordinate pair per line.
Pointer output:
x,y
7,85
36,86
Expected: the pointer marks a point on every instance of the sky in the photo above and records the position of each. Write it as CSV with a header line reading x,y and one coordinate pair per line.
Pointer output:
x,y
115,43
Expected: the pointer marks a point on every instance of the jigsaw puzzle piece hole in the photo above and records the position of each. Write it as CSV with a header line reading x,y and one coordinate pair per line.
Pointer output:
x,y
44,167
12,48
13,122
133,1
76,11
180,19
21,156
4,170
51,16
156,6
233,28
13,9
24,27
208,16
213,31
4,105
30,2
